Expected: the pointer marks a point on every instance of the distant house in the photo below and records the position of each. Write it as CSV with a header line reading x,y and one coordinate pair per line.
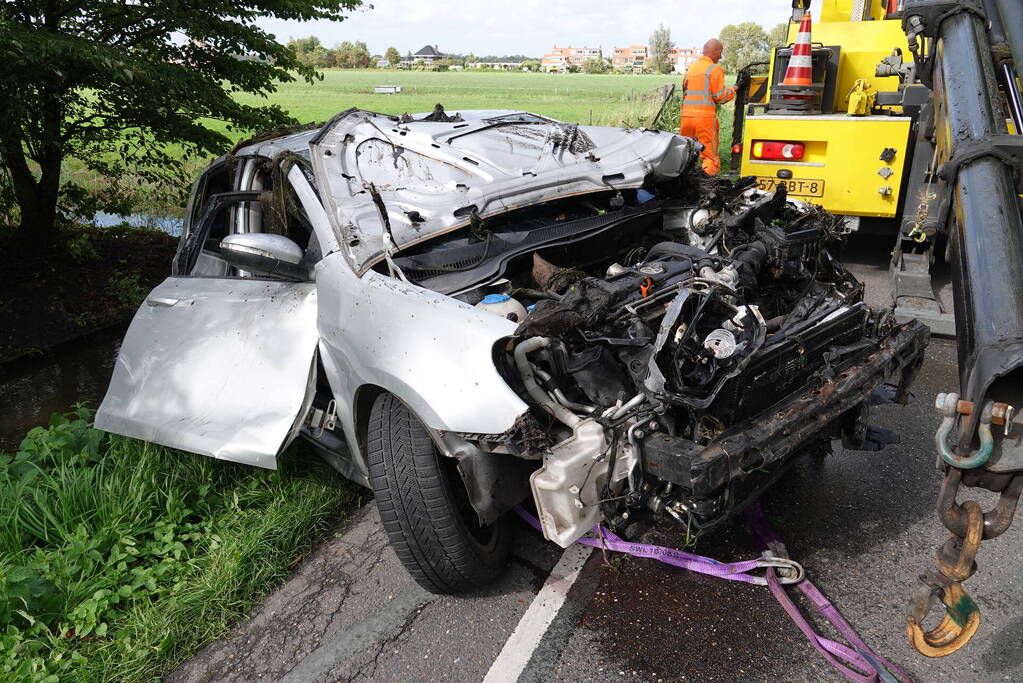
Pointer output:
x,y
561,58
253,57
426,54
635,57
682,57
631,58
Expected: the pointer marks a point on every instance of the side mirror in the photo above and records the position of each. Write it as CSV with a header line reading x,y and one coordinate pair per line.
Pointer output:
x,y
265,254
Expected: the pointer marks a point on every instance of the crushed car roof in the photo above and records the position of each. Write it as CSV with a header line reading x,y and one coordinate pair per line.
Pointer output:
x,y
411,179
293,142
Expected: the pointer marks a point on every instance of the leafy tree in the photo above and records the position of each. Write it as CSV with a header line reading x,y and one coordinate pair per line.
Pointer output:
x,y
660,50
345,55
504,58
393,56
351,55
302,46
318,58
113,82
778,36
531,64
311,52
594,65
360,55
744,43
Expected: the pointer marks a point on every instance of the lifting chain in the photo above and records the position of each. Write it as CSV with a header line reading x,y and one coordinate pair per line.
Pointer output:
x,y
969,525
917,232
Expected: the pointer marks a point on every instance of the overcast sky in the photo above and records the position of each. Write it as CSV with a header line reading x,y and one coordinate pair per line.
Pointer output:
x,y
530,27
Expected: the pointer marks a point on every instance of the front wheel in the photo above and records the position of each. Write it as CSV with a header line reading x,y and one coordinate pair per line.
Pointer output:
x,y
425,508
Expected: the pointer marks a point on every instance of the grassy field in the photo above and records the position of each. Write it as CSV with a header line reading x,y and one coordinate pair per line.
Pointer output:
x,y
575,98
605,99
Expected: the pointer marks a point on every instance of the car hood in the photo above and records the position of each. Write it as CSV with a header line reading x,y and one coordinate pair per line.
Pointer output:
x,y
393,182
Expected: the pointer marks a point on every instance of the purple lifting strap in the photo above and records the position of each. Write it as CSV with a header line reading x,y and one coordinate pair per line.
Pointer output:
x,y
857,663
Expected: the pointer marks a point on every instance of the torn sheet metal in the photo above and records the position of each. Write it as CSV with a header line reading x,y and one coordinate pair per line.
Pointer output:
x,y
432,176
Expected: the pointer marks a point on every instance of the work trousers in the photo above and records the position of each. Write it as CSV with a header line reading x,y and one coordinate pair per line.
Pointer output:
x,y
704,129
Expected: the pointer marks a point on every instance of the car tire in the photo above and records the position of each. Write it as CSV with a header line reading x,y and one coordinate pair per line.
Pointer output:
x,y
425,508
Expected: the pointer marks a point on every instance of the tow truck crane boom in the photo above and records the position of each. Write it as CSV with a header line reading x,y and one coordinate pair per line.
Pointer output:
x,y
978,181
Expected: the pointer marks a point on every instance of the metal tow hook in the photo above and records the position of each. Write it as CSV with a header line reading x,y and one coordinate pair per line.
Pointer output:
x,y
955,560
969,525
962,619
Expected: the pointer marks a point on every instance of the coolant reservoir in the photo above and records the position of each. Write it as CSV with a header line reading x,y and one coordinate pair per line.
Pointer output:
x,y
504,306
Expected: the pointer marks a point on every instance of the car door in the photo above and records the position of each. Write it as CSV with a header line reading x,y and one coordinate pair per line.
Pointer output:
x,y
217,361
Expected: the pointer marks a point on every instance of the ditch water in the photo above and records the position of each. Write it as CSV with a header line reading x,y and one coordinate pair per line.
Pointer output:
x,y
31,390
168,224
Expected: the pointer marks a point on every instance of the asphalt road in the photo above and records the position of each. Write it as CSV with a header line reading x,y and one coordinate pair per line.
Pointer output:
x,y
862,524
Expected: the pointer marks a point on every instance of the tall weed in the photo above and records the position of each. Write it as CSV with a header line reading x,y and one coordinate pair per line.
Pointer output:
x,y
119,558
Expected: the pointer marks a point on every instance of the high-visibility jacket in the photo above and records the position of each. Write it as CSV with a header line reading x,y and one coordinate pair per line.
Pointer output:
x,y
705,88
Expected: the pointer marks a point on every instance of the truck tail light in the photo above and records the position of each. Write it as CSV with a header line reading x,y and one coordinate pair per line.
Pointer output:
x,y
737,149
776,150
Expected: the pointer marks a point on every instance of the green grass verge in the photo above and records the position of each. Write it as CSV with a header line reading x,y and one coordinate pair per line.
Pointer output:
x,y
118,558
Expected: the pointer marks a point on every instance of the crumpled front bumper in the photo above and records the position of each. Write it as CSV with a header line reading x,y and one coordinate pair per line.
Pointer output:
x,y
776,434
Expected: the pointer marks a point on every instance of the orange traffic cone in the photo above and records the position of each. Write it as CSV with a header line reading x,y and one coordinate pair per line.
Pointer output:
x,y
800,69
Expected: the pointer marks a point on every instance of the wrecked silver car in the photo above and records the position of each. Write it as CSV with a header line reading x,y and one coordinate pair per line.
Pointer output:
x,y
465,312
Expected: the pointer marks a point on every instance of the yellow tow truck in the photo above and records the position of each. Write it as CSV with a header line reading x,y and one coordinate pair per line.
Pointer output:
x,y
852,147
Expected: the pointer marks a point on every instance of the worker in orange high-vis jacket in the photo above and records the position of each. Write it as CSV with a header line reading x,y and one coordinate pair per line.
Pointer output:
x,y
704,90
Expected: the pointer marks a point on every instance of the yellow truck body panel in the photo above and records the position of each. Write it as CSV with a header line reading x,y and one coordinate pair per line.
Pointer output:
x,y
842,169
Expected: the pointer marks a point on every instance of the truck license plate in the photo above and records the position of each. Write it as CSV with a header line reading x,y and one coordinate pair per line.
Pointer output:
x,y
805,187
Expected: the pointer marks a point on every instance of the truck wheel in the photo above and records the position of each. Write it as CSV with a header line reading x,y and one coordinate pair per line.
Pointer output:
x,y
425,508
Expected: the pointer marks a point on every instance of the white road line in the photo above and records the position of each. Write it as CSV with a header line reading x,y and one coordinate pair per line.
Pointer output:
x,y
534,623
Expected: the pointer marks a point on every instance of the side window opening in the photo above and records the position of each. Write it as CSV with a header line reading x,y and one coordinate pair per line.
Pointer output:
x,y
226,219
215,180
283,213
259,198
199,253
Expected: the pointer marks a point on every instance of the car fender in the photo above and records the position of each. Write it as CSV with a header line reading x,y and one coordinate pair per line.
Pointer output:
x,y
431,351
